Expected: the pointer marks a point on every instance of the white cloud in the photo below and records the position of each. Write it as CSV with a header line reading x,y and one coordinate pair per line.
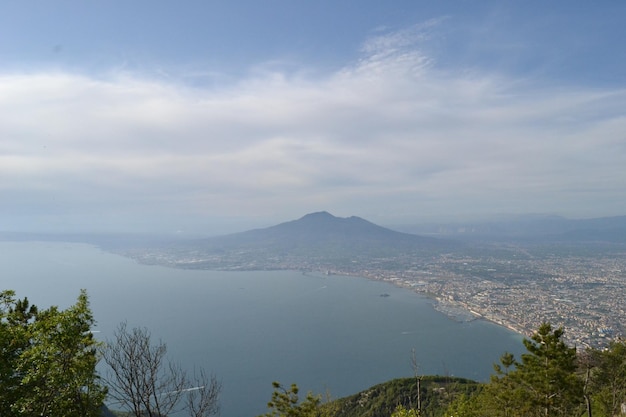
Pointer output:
x,y
391,133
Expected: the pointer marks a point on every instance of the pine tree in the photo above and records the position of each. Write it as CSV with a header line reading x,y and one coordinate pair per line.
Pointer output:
x,y
48,360
286,403
609,378
547,374
544,383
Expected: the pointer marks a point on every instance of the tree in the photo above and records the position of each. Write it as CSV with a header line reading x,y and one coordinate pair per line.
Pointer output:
x,y
15,318
418,382
49,357
142,380
504,395
203,400
609,378
467,406
548,374
587,362
544,383
405,412
286,403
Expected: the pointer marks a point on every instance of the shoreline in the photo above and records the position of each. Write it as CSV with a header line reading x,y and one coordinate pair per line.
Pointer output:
x,y
455,311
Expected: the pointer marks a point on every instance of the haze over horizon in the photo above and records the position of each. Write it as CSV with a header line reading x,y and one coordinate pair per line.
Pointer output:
x,y
211,117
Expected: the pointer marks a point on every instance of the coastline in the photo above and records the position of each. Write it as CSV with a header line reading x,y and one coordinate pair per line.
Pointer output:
x,y
455,311
461,313
452,291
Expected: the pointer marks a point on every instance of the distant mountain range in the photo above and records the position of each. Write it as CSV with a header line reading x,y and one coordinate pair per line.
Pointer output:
x,y
533,227
323,230
321,240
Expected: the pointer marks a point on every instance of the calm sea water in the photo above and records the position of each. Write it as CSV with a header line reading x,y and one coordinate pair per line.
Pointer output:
x,y
326,333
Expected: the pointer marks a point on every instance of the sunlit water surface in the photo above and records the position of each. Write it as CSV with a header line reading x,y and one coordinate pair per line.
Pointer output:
x,y
326,333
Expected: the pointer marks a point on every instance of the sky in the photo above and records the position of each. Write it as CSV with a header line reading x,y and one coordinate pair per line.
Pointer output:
x,y
213,117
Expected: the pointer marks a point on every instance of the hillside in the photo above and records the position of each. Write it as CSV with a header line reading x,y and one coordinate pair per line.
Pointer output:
x,y
437,392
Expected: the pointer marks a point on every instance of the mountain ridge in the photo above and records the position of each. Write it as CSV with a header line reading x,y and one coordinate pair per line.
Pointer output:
x,y
318,241
322,228
534,227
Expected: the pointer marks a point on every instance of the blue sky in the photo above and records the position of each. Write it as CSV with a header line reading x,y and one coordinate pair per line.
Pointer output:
x,y
210,117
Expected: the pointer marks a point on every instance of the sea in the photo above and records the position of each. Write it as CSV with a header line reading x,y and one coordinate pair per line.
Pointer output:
x,y
329,334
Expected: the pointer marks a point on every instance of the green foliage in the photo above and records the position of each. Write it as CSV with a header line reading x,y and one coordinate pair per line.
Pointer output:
x,y
405,412
437,392
550,379
467,406
545,382
609,378
547,374
286,403
48,360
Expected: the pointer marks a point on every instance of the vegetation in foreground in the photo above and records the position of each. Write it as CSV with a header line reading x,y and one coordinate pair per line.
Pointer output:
x,y
48,368
47,360
550,379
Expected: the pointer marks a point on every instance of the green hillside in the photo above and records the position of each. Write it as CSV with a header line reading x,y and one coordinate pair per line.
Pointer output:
x,y
437,392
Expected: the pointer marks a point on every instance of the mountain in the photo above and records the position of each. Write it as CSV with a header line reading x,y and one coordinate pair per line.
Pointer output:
x,y
531,227
313,240
322,229
321,241
604,229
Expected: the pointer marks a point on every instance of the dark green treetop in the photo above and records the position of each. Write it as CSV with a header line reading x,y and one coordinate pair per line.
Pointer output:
x,y
48,360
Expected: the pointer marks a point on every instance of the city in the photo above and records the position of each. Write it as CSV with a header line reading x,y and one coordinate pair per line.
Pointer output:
x,y
580,288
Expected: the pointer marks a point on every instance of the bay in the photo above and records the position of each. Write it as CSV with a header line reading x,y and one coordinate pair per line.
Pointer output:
x,y
325,333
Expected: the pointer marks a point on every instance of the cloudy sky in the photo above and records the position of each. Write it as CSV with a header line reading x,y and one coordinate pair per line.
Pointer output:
x,y
214,116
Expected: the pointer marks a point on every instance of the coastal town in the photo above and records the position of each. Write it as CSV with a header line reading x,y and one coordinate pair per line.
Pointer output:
x,y
516,286
583,295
